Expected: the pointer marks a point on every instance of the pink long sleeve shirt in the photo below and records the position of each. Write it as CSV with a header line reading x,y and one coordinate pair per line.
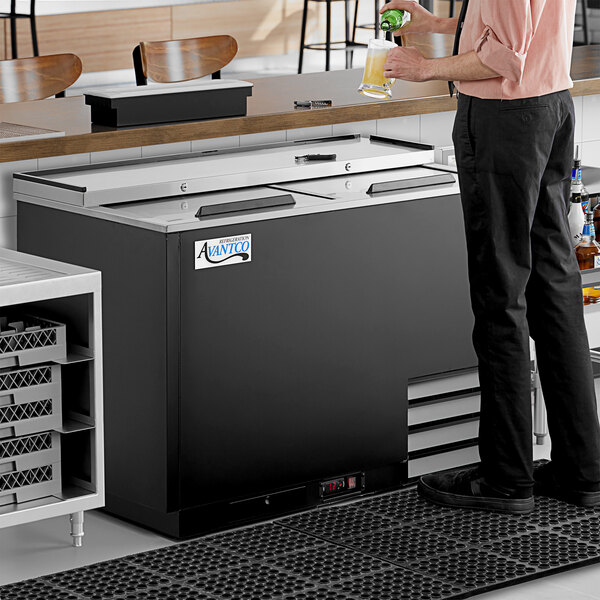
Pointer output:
x,y
528,42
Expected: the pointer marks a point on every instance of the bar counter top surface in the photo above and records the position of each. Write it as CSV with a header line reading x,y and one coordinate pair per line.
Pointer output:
x,y
270,108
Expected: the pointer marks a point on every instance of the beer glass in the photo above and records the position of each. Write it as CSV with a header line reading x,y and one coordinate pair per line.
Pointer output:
x,y
374,84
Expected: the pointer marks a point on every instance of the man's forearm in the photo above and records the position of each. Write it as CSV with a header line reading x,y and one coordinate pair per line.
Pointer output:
x,y
445,25
462,67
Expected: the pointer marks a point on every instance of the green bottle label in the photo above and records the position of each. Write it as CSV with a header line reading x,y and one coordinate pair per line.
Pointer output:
x,y
392,20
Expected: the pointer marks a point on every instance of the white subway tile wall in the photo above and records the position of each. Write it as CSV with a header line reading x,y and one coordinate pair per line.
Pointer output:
x,y
8,207
403,128
364,128
590,154
591,118
164,149
251,139
436,128
71,160
578,104
433,128
308,133
8,232
212,144
119,154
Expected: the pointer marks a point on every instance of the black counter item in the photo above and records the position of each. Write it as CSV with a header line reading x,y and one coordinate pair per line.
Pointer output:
x,y
315,157
311,103
163,103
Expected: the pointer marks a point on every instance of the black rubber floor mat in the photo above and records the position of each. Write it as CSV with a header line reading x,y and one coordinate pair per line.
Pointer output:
x,y
338,522
389,547
404,544
328,564
475,527
263,541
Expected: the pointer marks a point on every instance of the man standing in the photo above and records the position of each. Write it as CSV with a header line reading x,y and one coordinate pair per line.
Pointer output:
x,y
513,139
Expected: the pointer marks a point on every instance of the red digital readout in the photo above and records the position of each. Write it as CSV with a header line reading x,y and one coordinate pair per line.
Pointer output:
x,y
339,486
334,486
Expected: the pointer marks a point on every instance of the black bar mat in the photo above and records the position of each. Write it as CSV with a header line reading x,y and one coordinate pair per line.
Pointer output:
x,y
389,547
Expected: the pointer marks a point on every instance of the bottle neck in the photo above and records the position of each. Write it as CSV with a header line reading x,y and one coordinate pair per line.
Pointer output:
x,y
392,19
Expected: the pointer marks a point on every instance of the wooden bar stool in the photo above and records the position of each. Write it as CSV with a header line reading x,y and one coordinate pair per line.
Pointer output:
x,y
182,60
451,9
13,15
38,77
585,25
374,26
348,44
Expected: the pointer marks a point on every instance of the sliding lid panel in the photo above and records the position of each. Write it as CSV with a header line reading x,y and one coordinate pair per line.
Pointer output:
x,y
210,170
408,183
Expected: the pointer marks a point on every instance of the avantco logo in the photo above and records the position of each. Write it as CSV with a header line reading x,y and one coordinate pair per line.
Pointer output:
x,y
223,251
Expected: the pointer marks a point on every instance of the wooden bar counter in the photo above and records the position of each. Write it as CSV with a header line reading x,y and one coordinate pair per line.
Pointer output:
x,y
271,108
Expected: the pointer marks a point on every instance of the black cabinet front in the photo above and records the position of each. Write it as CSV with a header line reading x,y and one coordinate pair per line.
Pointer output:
x,y
294,363
290,368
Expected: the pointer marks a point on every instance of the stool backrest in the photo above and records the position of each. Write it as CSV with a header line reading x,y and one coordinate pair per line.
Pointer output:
x,y
39,77
182,60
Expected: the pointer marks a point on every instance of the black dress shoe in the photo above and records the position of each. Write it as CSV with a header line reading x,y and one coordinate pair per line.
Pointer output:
x,y
547,483
465,488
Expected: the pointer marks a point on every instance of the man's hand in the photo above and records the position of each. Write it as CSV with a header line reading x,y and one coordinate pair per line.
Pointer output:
x,y
408,64
421,20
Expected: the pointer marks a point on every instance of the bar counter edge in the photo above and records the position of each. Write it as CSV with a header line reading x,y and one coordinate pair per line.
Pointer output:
x,y
271,109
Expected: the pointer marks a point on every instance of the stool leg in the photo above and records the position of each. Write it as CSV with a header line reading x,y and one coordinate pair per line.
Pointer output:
x,y
354,25
34,40
13,28
348,40
452,7
586,25
328,38
302,35
376,21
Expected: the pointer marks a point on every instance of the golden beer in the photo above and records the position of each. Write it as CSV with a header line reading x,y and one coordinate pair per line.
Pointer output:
x,y
374,83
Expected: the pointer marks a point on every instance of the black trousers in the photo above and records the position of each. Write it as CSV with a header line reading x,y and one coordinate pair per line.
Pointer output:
x,y
514,164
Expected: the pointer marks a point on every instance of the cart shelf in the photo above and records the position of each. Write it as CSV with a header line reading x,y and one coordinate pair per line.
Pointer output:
x,y
51,395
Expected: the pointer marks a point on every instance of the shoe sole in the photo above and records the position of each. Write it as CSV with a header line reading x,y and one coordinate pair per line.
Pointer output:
x,y
518,506
584,499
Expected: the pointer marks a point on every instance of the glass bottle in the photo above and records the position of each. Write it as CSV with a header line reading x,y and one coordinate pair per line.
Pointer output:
x,y
575,217
577,188
588,256
392,20
596,213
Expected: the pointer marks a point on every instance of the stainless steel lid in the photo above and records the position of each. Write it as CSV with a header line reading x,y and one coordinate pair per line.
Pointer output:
x,y
234,168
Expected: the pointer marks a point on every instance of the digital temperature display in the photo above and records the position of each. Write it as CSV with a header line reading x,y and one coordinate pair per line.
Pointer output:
x,y
333,486
339,486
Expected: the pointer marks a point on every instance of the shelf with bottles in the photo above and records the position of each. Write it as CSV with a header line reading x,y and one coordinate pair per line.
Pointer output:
x,y
590,277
